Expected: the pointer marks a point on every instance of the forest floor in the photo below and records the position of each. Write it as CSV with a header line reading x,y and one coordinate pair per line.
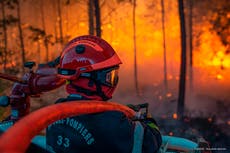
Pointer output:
x,y
217,135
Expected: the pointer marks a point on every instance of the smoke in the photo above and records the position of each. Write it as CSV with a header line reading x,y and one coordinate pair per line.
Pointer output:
x,y
207,96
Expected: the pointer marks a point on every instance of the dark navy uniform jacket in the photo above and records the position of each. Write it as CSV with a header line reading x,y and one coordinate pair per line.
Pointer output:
x,y
108,132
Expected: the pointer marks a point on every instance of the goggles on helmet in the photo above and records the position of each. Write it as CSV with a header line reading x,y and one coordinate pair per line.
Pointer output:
x,y
108,77
66,72
71,74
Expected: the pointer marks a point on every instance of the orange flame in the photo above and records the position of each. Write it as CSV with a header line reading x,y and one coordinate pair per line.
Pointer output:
x,y
175,116
169,95
228,122
210,119
219,77
210,53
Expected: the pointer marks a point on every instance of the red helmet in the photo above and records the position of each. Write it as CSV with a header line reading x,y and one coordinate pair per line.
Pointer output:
x,y
91,66
85,54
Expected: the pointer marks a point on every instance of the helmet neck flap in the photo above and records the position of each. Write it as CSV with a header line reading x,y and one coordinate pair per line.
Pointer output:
x,y
94,91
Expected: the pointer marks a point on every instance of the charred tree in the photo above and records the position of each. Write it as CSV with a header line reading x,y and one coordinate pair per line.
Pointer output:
x,y
36,37
135,49
164,46
46,43
39,35
182,81
97,18
60,21
4,35
55,30
190,44
94,17
91,16
23,55
42,15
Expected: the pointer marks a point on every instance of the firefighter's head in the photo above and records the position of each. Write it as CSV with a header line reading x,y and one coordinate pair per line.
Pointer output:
x,y
90,66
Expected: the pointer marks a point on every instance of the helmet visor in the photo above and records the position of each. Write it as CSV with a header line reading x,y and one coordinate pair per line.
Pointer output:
x,y
111,78
108,77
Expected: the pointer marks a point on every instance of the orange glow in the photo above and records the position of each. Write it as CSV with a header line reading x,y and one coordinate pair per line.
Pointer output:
x,y
228,122
9,65
148,53
219,77
169,95
13,63
82,24
177,77
109,26
13,35
220,54
216,62
210,119
209,53
175,116
170,77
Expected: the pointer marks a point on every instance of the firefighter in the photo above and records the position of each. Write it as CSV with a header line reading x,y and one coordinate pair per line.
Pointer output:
x,y
90,67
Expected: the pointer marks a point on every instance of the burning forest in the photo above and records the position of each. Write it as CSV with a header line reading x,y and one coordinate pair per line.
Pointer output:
x,y
175,55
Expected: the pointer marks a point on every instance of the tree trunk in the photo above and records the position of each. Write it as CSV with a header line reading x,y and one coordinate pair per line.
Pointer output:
x,y
54,7
135,49
67,28
39,51
4,35
98,18
42,15
60,21
164,46
21,36
46,44
182,83
91,17
44,28
190,44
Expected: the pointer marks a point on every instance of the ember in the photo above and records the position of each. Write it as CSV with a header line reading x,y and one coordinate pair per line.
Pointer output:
x,y
209,119
171,133
169,95
228,122
175,116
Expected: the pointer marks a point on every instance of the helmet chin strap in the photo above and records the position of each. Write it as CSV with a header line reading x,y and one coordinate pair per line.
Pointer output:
x,y
98,84
98,91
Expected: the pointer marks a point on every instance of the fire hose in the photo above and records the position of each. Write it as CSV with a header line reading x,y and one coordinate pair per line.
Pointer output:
x,y
18,137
